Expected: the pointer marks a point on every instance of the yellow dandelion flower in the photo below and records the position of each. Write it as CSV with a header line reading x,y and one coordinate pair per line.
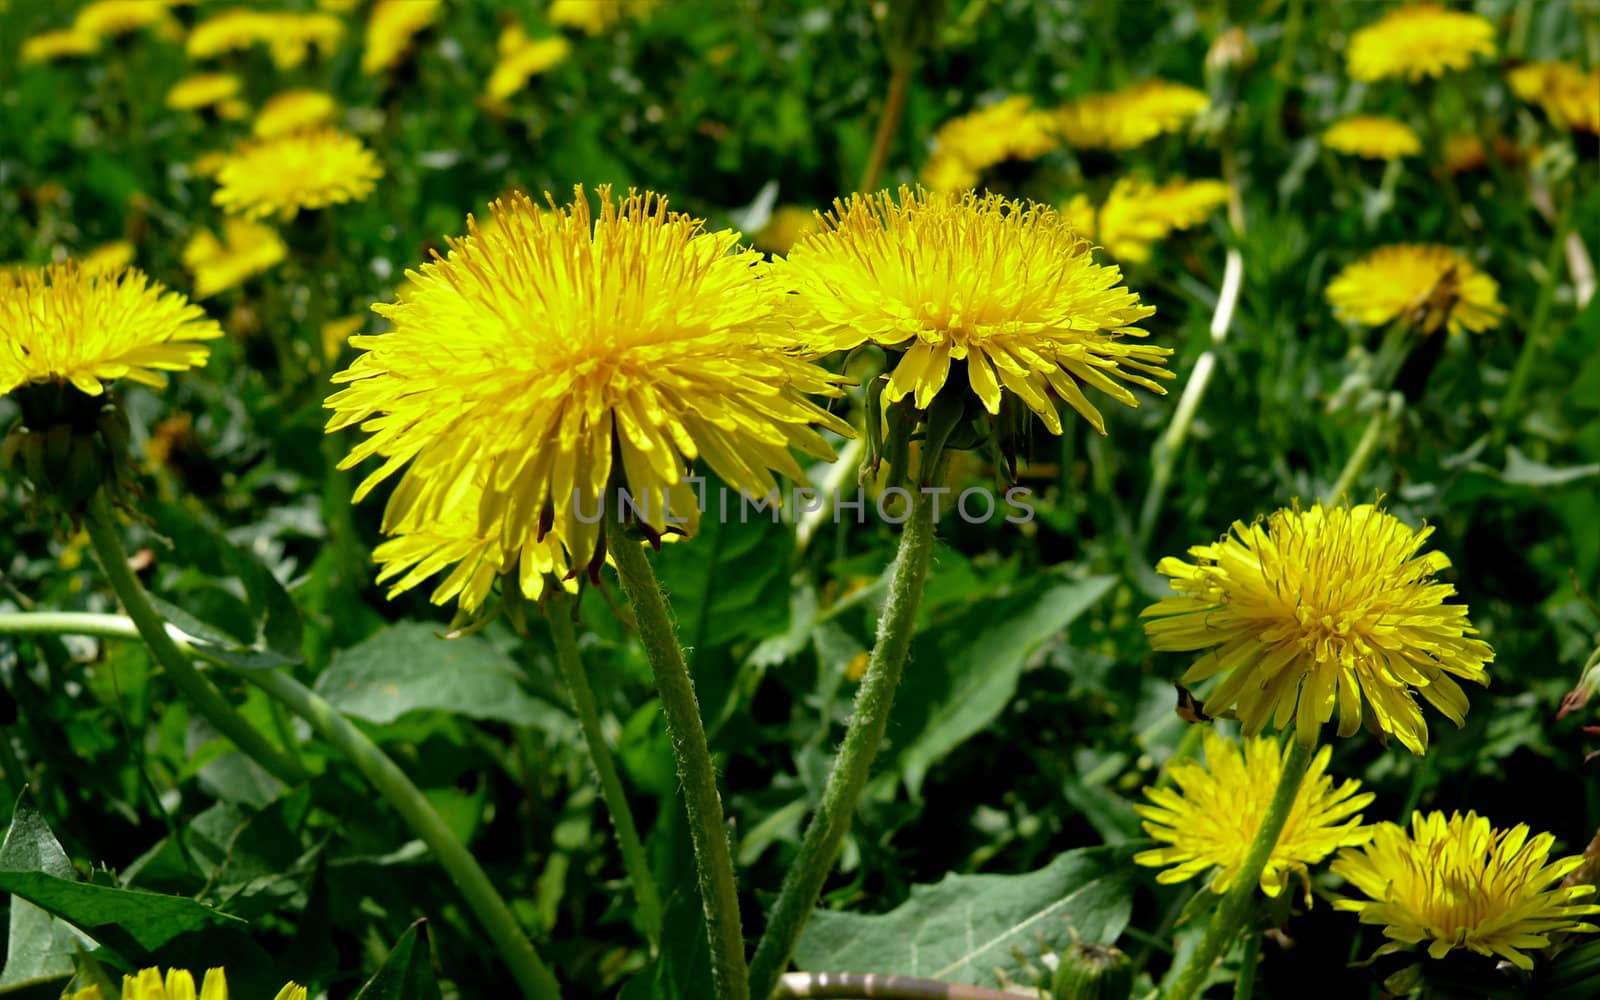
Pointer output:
x,y
49,46
1012,129
1418,40
522,58
246,249
336,333
1211,818
107,257
64,324
1321,607
1138,214
229,31
786,225
202,90
292,111
1373,137
1126,118
1436,283
391,26
109,18
1009,288
178,984
1459,883
565,350
302,170
594,16
291,38
1569,97
207,164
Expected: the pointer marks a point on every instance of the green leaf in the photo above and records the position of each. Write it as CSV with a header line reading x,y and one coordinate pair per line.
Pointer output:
x,y
732,583
963,671
1521,470
124,920
407,974
408,668
960,929
39,946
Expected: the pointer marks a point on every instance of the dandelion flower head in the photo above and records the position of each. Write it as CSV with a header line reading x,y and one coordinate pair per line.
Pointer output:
x,y
391,27
109,18
1209,820
522,58
1416,41
302,170
246,249
594,16
1127,118
178,984
107,257
1137,214
290,37
292,111
1012,129
49,46
1437,283
1569,96
1373,137
1312,609
203,90
1457,882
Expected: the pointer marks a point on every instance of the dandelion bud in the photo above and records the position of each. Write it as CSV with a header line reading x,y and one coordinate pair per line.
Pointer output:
x,y
1093,972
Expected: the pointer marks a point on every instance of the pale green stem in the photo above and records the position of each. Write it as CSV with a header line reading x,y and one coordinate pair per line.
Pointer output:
x,y
1533,342
825,835
719,892
1245,986
1382,417
1239,899
558,611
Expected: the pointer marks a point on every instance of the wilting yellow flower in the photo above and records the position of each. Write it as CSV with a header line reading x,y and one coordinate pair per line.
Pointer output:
x,y
292,111
1318,607
302,170
1460,883
537,362
289,37
1569,97
178,985
1434,284
108,18
1416,41
391,26
51,45
522,58
1126,118
63,323
1012,129
1138,214
246,249
1210,819
785,226
1372,136
594,16
202,91
107,257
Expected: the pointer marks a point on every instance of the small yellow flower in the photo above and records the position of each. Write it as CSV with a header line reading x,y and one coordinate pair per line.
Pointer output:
x,y
247,249
289,37
1434,284
336,333
522,58
1012,129
1416,41
787,224
302,170
52,45
1127,118
1569,97
63,323
178,985
107,257
1138,214
391,27
1373,137
1457,882
203,90
594,16
229,31
292,111
1211,818
1004,295
109,18
1316,608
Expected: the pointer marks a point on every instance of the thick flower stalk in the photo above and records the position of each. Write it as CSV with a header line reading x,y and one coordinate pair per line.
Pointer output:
x,y
1314,609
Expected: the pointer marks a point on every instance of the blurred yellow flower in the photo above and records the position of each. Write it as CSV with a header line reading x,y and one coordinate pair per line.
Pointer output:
x,y
51,45
207,164
1210,819
1138,214
302,170
336,333
289,37
1416,41
178,985
246,249
391,26
107,257
1313,608
202,91
1373,137
108,18
1432,284
522,58
1569,97
1126,118
1457,882
594,16
566,351
292,111
1004,294
1012,129
785,226
65,324
226,32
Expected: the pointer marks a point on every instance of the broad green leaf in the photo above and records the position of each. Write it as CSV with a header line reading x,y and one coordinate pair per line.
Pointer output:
x,y
39,946
407,974
1521,470
731,583
961,928
124,920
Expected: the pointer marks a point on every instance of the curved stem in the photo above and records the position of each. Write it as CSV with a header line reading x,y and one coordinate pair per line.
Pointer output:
x,y
559,613
1240,896
1357,463
824,836
105,538
869,986
1533,341
894,103
719,892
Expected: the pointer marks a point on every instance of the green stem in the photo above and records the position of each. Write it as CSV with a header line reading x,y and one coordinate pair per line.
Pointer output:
x,y
719,893
103,534
1388,408
1245,986
559,613
1240,896
894,105
823,838
1533,342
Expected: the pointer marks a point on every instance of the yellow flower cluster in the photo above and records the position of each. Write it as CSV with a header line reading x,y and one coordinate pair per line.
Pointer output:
x,y
1012,129
290,37
1569,97
1137,214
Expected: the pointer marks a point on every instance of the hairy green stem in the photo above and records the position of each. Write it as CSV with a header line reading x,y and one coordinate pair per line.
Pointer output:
x,y
1239,899
105,538
719,892
824,836
1245,986
558,611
